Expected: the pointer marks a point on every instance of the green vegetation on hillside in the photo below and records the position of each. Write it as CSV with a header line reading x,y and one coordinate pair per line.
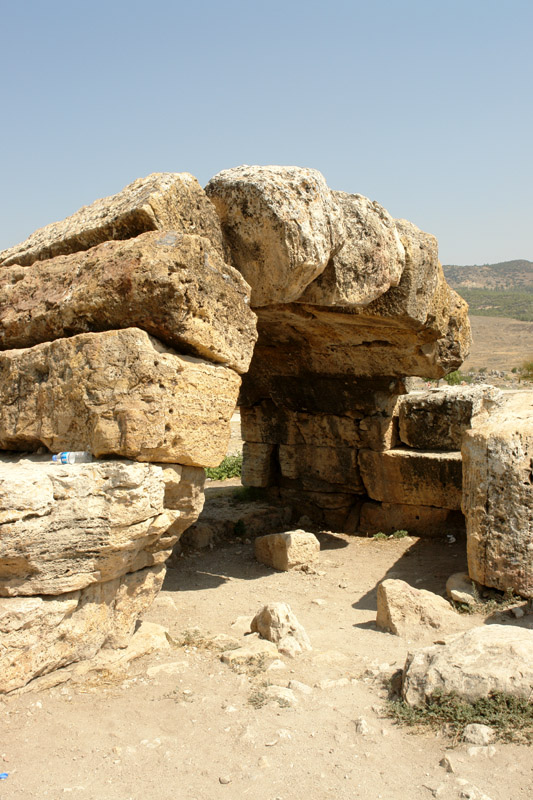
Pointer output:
x,y
499,303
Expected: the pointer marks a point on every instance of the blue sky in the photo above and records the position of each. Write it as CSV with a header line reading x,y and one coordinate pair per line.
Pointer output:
x,y
424,106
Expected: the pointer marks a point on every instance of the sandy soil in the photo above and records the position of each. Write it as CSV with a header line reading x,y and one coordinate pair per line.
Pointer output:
x,y
183,725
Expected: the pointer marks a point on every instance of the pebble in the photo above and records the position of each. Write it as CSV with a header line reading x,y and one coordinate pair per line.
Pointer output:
x,y
361,726
298,686
224,780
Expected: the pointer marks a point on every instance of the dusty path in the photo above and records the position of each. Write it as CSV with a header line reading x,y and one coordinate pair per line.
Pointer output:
x,y
181,725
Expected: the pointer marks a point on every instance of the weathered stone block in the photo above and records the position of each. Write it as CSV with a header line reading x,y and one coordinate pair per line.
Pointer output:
x,y
116,393
281,225
498,497
370,261
485,660
406,611
161,201
258,468
63,528
321,468
41,634
285,551
417,520
437,419
174,286
409,477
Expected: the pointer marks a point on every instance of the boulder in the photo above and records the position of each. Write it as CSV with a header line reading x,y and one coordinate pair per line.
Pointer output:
x,y
116,393
498,497
417,520
281,226
437,419
487,659
161,201
409,612
285,551
277,623
371,260
409,477
44,633
173,285
65,527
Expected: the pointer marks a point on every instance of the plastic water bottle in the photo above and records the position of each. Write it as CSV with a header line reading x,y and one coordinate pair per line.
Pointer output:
x,y
73,457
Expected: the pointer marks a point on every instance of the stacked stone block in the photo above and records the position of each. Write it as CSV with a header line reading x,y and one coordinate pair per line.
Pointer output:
x,y
123,333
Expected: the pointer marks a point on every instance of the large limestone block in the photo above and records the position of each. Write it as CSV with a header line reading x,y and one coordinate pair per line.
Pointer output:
x,y
116,393
416,520
371,260
64,527
487,659
268,423
321,468
281,226
42,633
409,477
285,551
498,497
173,285
437,419
184,492
161,201
409,612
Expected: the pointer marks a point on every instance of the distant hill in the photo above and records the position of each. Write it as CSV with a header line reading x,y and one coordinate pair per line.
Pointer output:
x,y
495,290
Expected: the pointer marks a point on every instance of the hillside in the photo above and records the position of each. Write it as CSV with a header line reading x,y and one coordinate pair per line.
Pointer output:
x,y
495,290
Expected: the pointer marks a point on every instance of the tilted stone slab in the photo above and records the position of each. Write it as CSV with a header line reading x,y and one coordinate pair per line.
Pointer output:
x,y
64,527
406,611
370,261
438,418
413,478
281,226
482,661
116,393
173,285
498,497
44,633
161,201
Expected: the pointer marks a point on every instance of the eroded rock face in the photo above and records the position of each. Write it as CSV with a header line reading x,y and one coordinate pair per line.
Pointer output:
x,y
498,497
116,393
491,658
438,418
370,261
65,527
281,226
408,477
162,201
43,633
173,285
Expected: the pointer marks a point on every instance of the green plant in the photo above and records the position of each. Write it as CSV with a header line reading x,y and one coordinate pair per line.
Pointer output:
x,y
510,717
491,601
396,535
248,494
526,371
229,467
380,535
456,377
239,529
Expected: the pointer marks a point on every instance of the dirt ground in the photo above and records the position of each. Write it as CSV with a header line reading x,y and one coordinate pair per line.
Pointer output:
x,y
499,343
180,724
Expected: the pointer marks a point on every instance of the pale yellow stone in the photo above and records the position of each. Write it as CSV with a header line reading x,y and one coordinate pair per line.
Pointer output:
x,y
285,551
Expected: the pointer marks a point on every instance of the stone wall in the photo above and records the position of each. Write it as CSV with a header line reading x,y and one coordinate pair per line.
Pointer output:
x,y
124,334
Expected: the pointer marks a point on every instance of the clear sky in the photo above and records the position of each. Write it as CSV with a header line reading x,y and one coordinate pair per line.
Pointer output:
x,y
424,106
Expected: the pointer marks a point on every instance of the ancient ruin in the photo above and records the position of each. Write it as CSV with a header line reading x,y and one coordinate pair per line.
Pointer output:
x,y
133,329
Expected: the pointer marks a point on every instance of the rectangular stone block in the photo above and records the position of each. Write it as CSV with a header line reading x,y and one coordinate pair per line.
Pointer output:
x,y
41,634
65,527
416,520
174,286
437,419
498,497
269,423
321,469
116,393
409,477
258,464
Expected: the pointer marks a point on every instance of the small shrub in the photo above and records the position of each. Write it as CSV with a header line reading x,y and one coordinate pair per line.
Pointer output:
x,y
379,536
510,717
396,535
229,467
239,529
248,494
399,534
